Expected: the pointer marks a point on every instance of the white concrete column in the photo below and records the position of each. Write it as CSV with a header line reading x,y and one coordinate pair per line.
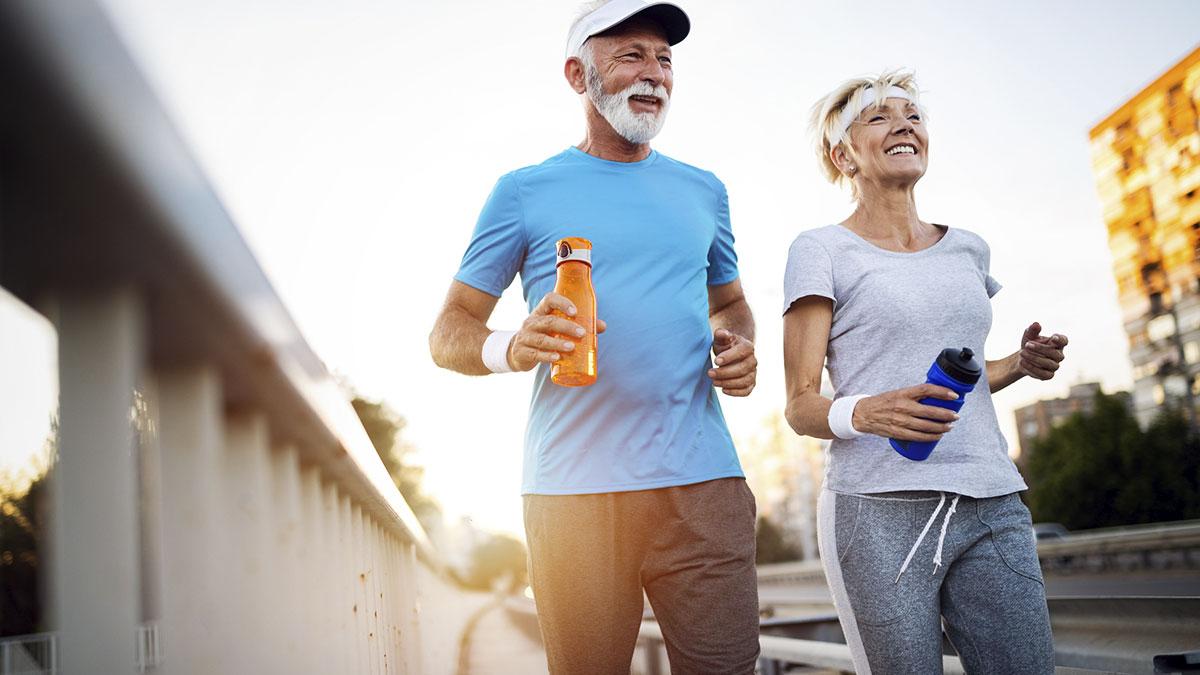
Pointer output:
x,y
386,644
411,565
392,603
247,490
361,644
336,606
349,567
315,581
375,569
191,435
286,609
95,553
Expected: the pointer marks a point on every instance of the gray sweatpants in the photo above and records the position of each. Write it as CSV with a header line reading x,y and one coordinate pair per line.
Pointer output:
x,y
988,588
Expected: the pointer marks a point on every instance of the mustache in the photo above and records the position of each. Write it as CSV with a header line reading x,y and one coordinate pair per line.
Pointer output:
x,y
645,89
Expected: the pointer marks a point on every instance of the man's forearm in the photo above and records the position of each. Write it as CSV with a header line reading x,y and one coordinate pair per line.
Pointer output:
x,y
456,342
735,317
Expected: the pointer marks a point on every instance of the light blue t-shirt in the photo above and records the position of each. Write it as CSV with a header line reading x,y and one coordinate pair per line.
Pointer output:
x,y
660,236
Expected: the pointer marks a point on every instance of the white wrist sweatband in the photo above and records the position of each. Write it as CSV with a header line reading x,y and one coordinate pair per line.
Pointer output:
x,y
841,416
495,351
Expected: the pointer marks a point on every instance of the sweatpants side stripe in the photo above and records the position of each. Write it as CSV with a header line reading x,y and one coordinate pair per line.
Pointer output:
x,y
827,545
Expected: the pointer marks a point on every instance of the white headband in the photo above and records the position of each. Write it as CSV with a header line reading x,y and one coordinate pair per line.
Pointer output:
x,y
850,114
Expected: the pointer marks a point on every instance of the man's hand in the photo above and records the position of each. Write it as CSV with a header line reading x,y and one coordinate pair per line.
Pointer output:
x,y
736,366
1040,356
546,334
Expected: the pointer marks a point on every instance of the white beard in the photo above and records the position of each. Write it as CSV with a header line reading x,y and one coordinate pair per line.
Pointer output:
x,y
632,126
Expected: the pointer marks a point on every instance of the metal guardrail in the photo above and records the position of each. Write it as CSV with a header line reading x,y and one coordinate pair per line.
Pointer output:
x,y
1091,635
1154,547
35,654
246,475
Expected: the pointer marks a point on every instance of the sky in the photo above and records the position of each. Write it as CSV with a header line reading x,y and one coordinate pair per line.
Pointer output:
x,y
354,143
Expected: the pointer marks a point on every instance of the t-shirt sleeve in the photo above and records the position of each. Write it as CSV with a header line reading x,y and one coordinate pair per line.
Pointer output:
x,y
497,248
809,272
989,282
722,259
993,286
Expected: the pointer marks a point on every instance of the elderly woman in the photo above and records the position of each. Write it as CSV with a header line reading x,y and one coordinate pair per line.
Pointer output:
x,y
875,299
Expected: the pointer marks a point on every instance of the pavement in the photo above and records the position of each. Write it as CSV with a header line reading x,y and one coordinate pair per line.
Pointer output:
x,y
499,642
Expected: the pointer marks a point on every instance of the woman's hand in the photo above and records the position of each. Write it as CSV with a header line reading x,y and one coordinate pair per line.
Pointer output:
x,y
898,414
1040,355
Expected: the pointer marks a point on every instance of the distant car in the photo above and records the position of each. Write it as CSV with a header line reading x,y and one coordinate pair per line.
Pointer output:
x,y
1049,531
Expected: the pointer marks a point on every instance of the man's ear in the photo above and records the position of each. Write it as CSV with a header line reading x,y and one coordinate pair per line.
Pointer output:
x,y
575,74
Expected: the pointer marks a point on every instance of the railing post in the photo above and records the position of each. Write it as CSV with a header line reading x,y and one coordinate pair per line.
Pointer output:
x,y
287,563
96,583
246,493
190,439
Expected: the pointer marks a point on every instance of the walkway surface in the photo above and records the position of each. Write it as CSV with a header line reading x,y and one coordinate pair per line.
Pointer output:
x,y
502,641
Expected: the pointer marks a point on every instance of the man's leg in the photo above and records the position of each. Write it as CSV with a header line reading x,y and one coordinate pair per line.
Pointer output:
x,y
993,599
583,566
700,577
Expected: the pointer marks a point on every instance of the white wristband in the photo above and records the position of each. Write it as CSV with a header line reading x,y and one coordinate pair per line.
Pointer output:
x,y
841,415
495,351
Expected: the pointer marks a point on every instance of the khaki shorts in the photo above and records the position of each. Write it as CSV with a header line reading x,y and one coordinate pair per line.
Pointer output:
x,y
689,547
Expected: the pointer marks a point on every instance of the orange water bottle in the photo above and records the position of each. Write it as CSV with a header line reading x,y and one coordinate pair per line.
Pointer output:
x,y
576,368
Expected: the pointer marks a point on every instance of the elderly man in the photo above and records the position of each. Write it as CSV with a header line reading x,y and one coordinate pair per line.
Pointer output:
x,y
631,483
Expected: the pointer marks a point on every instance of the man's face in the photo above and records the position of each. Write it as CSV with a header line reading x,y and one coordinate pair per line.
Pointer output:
x,y
630,79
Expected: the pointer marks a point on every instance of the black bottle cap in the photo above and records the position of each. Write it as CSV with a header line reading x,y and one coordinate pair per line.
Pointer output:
x,y
960,364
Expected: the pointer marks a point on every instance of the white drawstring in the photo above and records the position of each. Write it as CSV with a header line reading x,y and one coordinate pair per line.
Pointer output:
x,y
937,558
921,538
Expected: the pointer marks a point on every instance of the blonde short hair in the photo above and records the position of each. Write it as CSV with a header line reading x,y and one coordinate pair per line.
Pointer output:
x,y
825,122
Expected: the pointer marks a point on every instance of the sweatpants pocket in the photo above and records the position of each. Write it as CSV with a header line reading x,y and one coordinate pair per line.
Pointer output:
x,y
883,531
1011,529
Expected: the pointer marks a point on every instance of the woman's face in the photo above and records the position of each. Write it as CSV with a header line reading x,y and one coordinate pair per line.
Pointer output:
x,y
891,144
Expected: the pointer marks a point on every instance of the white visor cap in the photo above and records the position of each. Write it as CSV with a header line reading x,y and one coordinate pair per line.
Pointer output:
x,y
672,17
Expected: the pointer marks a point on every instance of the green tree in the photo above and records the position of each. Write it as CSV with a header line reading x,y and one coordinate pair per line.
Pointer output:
x,y
1101,469
21,527
384,427
500,558
770,545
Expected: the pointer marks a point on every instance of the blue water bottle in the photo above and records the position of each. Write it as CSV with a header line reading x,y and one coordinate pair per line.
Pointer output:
x,y
954,369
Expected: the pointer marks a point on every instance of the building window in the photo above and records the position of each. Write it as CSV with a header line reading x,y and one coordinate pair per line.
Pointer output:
x,y
1161,328
1175,94
1156,303
1191,352
1158,394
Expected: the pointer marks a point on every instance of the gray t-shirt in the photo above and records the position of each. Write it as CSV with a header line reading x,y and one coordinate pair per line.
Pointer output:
x,y
893,313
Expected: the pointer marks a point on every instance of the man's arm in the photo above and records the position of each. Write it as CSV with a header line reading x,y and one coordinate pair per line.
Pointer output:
x,y
733,339
456,341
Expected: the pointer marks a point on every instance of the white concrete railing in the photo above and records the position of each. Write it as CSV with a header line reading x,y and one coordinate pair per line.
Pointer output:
x,y
244,514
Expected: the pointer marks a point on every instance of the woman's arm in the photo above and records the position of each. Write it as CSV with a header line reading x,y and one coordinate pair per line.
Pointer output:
x,y
805,339
1039,358
893,414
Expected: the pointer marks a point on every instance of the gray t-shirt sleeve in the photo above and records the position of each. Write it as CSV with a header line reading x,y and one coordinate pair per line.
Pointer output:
x,y
809,272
